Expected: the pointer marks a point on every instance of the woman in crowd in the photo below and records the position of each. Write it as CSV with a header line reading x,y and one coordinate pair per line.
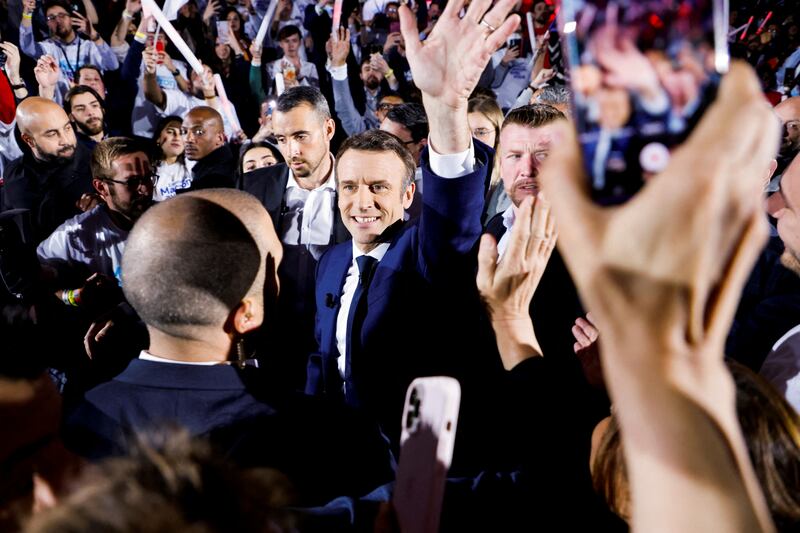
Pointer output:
x,y
172,169
258,155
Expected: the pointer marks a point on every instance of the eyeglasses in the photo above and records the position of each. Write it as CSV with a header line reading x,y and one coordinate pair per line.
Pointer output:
x,y
197,131
136,181
59,16
481,132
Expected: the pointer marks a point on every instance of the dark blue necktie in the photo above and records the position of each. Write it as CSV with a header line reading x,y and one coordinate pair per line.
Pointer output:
x,y
355,319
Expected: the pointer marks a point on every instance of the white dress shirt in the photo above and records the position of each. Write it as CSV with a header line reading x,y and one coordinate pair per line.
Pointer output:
x,y
144,355
308,219
445,166
509,216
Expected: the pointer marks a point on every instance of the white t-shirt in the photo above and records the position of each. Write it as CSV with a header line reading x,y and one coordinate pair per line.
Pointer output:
x,y
172,177
90,239
145,115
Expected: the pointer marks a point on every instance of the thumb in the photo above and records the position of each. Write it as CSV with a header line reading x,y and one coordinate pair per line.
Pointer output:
x,y
487,262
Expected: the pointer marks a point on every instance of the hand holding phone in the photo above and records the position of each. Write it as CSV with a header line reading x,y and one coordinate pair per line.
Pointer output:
x,y
428,435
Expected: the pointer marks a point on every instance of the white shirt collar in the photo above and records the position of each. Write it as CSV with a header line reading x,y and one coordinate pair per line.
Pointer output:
x,y
509,216
147,356
329,184
378,252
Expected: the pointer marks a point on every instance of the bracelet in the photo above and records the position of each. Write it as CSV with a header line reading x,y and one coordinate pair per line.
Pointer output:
x,y
74,296
18,86
389,73
139,35
205,96
176,72
27,15
127,14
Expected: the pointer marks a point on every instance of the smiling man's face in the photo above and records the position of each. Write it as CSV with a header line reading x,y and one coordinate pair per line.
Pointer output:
x,y
371,194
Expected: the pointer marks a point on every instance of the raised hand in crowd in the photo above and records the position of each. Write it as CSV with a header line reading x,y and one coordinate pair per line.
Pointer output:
x,y
211,10
512,53
84,26
339,49
12,62
255,53
626,67
540,79
392,40
47,73
133,6
507,287
234,43
447,68
150,60
88,201
662,275
28,7
587,349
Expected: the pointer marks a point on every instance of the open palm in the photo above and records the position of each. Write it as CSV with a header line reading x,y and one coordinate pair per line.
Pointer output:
x,y
449,63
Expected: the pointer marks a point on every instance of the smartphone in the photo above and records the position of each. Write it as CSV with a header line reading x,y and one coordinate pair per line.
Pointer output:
x,y
430,415
642,74
160,50
514,40
222,32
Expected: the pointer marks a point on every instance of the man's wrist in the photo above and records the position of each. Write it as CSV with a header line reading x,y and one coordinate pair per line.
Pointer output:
x,y
27,16
449,129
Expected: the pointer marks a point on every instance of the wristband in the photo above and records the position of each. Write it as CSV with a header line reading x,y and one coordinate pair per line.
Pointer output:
x,y
127,14
209,97
19,86
27,15
176,72
139,35
389,73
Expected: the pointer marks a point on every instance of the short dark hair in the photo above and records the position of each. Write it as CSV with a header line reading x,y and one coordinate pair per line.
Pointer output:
x,y
413,117
288,31
81,89
57,3
88,67
533,116
380,141
301,94
108,150
170,482
193,277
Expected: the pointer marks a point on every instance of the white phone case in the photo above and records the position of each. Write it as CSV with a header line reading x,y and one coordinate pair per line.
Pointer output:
x,y
430,415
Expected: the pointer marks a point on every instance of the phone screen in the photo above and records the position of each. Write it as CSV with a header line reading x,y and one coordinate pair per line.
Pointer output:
x,y
222,32
642,74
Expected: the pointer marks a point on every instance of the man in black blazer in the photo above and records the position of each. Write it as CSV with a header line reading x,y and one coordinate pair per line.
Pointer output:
x,y
300,197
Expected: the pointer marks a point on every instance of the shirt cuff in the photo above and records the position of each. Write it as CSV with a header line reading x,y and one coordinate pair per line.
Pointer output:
x,y
452,165
337,73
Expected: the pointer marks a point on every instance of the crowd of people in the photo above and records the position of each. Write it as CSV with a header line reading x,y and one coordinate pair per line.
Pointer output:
x,y
218,279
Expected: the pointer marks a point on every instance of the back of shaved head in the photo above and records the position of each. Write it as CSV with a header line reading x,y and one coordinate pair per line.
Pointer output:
x,y
188,263
37,113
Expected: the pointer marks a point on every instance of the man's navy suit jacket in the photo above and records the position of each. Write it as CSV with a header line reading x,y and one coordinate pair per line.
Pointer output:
x,y
248,418
422,310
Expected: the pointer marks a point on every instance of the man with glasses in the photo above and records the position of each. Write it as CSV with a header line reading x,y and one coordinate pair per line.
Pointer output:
x,y
373,71
205,144
70,50
93,242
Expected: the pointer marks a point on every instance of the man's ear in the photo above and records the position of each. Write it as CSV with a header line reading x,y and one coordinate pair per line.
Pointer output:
x,y
244,319
101,187
330,128
408,195
28,140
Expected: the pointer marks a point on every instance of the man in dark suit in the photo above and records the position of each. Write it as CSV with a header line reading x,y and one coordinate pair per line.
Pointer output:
x,y
204,134
399,301
300,196
198,278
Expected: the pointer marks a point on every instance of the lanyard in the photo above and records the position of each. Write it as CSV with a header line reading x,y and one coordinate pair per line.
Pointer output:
x,y
77,57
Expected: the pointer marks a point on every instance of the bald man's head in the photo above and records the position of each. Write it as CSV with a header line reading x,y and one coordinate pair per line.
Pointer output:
x,y
46,129
257,220
204,132
189,264
789,113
